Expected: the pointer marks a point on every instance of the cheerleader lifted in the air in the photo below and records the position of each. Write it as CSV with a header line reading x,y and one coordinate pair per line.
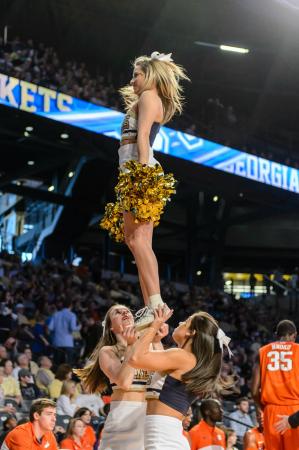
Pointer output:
x,y
152,98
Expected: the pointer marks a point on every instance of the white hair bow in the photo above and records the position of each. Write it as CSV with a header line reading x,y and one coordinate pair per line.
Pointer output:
x,y
224,340
162,56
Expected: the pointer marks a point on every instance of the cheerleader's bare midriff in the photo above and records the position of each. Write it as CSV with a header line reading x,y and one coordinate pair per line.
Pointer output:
x,y
128,396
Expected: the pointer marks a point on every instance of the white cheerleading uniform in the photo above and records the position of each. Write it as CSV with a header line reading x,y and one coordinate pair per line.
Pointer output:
x,y
164,433
154,385
162,430
124,426
128,144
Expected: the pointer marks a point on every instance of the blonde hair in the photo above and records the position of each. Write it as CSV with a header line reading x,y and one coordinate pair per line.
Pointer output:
x,y
92,377
66,387
166,76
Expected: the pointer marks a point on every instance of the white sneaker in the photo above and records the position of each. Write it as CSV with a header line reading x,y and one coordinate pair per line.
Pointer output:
x,y
143,318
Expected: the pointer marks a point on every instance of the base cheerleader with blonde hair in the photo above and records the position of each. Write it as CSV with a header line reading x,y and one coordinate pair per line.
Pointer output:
x,y
108,364
152,98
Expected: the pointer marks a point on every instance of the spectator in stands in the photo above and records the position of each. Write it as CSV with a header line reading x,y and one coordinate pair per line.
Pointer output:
x,y
63,373
66,401
29,390
22,363
41,344
44,375
254,438
9,424
7,318
3,353
33,367
205,433
241,415
21,318
93,402
63,324
11,346
74,437
10,385
89,435
38,432
6,408
231,439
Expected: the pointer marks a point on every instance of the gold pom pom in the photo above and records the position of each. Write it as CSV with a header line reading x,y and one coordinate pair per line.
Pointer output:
x,y
142,190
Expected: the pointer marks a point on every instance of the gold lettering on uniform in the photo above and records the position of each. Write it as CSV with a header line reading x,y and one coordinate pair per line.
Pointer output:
x,y
48,94
6,90
141,374
27,97
61,100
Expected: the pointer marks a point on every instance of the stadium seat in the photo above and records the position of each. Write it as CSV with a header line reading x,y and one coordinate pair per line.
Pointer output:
x,y
11,402
63,420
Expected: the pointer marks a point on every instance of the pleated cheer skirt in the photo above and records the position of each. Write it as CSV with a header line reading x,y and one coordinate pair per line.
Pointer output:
x,y
124,426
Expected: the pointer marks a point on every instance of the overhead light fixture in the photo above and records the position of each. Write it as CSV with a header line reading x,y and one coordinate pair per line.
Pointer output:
x,y
29,129
51,188
199,272
71,174
64,136
206,44
229,48
215,198
30,163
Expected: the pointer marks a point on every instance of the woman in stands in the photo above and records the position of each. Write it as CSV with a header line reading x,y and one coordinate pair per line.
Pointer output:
x,y
74,436
152,98
231,439
193,370
89,435
124,427
63,373
66,401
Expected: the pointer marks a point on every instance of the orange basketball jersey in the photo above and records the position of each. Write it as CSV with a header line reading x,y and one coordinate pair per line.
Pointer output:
x,y
279,368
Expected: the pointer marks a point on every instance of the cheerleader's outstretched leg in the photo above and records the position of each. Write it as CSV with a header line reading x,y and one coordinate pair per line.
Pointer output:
x,y
138,237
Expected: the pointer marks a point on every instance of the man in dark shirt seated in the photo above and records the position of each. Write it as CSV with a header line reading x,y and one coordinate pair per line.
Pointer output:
x,y
29,390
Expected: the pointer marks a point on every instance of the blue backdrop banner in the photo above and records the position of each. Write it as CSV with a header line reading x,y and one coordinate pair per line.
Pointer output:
x,y
98,119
